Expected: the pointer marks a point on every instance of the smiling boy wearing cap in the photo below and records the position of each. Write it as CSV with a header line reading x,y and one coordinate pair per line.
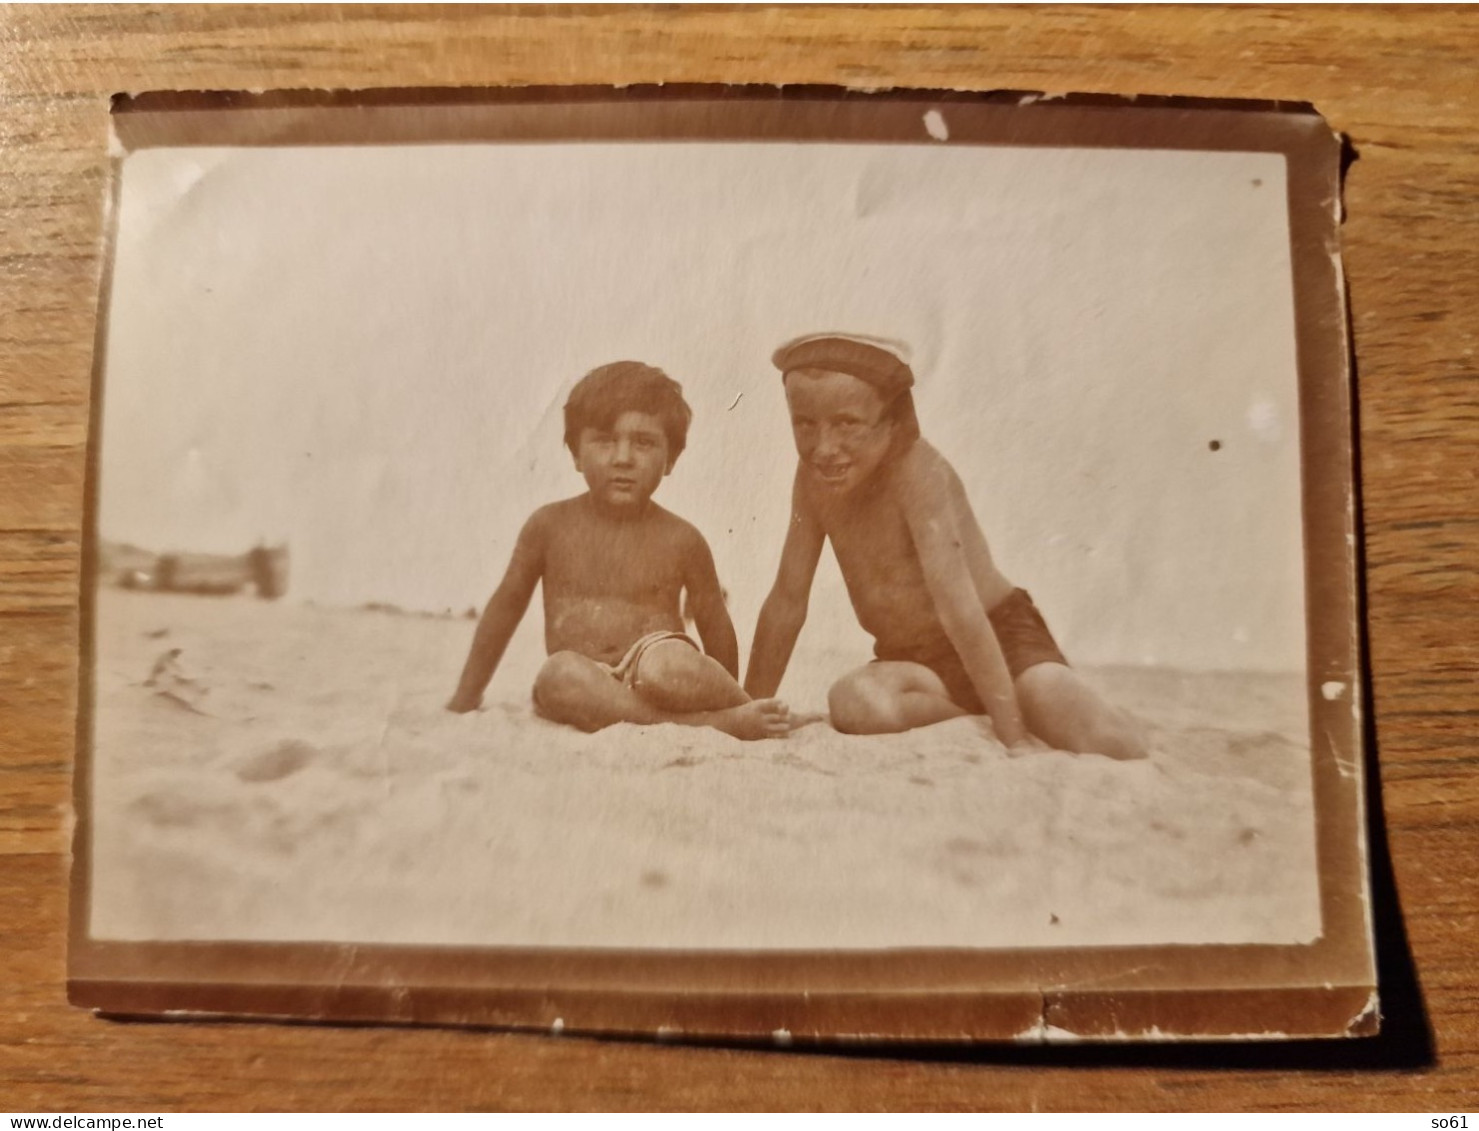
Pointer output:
x,y
952,635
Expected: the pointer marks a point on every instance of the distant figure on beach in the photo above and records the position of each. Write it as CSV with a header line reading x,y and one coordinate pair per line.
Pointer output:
x,y
614,566
269,569
265,568
952,635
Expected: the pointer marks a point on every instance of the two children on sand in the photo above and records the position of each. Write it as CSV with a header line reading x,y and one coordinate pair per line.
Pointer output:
x,y
952,635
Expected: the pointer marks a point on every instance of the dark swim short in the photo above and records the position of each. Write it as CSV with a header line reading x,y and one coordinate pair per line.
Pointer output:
x,y
1025,642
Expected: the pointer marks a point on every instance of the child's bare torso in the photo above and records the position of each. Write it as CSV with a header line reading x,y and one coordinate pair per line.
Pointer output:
x,y
608,581
878,559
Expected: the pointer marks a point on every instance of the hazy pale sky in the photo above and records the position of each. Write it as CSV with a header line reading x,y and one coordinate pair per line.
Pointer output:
x,y
364,352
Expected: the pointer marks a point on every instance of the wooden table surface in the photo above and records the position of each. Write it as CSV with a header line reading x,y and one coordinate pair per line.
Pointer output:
x,y
1402,83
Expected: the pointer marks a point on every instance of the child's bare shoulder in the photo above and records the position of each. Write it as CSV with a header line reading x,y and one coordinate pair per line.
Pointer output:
x,y
554,525
551,516
682,532
925,476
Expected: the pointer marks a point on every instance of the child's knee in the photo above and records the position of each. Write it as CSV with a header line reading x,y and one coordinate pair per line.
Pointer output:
x,y
669,665
676,676
559,685
858,705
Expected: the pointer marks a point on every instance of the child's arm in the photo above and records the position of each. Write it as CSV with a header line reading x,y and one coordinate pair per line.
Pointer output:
x,y
934,525
784,611
706,602
505,610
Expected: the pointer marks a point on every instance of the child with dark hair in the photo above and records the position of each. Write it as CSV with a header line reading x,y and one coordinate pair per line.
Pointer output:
x,y
614,567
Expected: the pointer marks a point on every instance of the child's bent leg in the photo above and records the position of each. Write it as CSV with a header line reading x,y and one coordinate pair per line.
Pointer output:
x,y
675,676
575,690
1068,714
887,697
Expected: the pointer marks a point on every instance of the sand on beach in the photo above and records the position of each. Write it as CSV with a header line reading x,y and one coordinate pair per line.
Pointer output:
x,y
280,771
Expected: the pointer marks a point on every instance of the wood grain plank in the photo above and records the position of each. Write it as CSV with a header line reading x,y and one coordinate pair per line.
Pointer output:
x,y
1399,82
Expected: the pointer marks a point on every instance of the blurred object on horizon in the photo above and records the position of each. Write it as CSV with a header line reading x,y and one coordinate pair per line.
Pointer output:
x,y
264,568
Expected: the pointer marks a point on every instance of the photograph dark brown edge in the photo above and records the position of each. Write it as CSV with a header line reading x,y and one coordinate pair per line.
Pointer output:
x,y
1326,988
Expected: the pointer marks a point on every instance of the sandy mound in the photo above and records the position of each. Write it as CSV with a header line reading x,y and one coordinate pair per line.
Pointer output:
x,y
281,772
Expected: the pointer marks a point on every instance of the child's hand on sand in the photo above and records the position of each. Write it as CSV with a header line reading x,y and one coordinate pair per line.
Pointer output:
x,y
1027,745
461,704
1024,745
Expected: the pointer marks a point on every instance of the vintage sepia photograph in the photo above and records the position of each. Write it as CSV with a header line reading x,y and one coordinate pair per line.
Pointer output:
x,y
710,526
